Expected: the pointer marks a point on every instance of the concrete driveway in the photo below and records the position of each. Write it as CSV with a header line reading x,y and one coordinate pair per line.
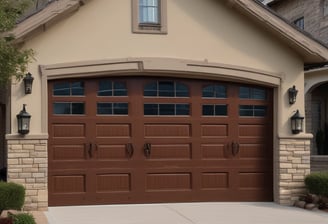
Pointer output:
x,y
186,213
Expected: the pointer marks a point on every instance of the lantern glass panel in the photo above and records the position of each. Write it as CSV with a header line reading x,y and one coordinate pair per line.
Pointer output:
x,y
25,124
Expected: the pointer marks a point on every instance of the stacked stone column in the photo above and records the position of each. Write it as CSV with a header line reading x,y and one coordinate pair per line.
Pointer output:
x,y
28,165
292,164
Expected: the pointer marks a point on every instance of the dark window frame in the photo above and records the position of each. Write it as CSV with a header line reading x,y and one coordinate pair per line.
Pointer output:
x,y
299,22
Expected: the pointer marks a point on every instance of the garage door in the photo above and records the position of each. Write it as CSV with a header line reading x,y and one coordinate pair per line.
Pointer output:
x,y
142,140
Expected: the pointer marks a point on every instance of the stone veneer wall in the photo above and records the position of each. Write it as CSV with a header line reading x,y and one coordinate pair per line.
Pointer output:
x,y
28,165
292,165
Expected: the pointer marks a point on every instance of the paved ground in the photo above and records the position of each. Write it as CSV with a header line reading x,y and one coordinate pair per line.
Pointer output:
x,y
186,213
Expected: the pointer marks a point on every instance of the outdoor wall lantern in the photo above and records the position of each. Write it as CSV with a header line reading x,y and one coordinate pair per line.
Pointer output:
x,y
23,121
28,80
292,93
297,123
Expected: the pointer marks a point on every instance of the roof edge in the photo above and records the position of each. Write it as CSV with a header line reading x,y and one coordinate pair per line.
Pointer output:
x,y
41,20
312,50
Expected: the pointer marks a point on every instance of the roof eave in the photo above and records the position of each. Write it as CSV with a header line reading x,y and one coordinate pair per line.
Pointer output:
x,y
310,50
40,21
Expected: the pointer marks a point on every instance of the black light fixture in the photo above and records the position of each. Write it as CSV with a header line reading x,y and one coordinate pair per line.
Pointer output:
x,y
292,93
23,121
297,123
28,81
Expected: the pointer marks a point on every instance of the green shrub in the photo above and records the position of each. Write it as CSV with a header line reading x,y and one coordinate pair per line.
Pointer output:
x,y
317,183
23,218
12,196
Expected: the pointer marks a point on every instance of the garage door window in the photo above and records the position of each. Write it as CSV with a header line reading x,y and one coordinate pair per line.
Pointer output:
x,y
68,89
215,110
166,109
110,88
166,89
252,111
112,108
68,108
215,91
252,93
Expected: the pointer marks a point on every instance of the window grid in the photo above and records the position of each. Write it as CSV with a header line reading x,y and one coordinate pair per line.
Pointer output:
x,y
214,91
252,111
68,89
112,88
109,108
215,110
162,109
68,108
252,93
166,89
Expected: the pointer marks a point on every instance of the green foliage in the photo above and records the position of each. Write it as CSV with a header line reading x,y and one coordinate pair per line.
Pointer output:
x,y
317,183
13,59
12,196
10,11
23,218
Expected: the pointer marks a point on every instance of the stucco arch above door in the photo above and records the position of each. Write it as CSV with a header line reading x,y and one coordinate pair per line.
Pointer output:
x,y
168,67
315,78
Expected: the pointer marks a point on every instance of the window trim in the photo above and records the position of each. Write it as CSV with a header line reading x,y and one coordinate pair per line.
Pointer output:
x,y
149,28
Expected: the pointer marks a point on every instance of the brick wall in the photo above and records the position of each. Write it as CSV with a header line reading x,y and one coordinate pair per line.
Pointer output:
x,y
315,22
292,165
28,165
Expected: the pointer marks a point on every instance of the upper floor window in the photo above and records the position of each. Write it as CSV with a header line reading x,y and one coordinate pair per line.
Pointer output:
x,y
325,7
299,23
149,11
149,16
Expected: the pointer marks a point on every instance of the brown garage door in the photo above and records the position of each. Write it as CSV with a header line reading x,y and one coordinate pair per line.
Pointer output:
x,y
140,140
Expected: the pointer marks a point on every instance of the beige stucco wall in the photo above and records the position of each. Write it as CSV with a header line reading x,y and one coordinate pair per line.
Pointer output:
x,y
206,31
314,78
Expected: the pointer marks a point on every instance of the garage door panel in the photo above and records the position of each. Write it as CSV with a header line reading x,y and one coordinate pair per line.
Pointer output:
x,y
113,182
215,180
112,152
113,130
69,130
69,152
167,130
168,181
214,151
253,151
214,130
252,130
254,180
171,151
69,184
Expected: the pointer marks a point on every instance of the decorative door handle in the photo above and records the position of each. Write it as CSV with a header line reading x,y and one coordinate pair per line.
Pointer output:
x,y
147,149
129,149
235,148
90,150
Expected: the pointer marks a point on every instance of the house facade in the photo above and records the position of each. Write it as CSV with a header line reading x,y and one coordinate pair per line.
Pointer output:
x,y
160,101
312,17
